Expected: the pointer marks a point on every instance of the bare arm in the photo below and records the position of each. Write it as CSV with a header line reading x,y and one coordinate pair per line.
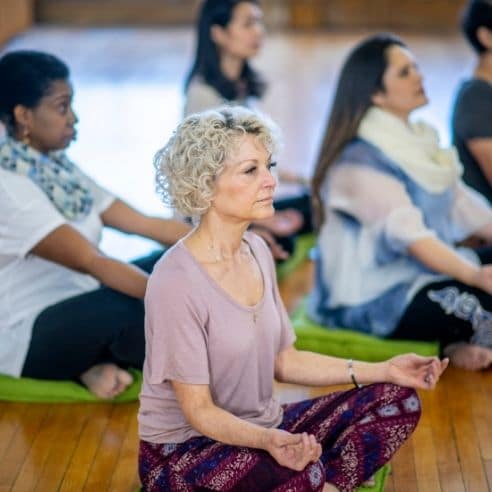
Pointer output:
x,y
66,246
481,150
291,450
437,256
125,218
308,368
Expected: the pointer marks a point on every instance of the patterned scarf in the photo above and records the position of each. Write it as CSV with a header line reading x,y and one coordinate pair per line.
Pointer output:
x,y
54,173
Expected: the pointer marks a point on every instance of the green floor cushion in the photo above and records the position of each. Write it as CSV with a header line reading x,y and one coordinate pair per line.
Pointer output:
x,y
380,478
43,391
302,246
352,344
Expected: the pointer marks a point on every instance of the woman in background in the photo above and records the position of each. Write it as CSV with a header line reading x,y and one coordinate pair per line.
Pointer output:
x,y
391,206
67,311
229,34
472,124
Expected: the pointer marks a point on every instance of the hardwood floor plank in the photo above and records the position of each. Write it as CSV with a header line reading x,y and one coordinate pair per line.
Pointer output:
x,y
37,458
107,454
425,451
10,421
21,443
125,476
403,465
82,458
444,440
75,418
466,436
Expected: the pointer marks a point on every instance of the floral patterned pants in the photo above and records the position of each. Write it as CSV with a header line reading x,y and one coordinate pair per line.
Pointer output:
x,y
359,431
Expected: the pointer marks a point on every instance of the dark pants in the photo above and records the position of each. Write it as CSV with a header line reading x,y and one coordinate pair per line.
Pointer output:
x,y
449,311
301,203
92,328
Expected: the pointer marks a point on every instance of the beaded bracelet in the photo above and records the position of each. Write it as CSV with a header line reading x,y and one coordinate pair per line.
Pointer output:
x,y
350,364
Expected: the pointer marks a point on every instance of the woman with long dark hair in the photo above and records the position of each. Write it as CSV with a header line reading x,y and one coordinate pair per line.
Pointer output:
x,y
229,34
391,206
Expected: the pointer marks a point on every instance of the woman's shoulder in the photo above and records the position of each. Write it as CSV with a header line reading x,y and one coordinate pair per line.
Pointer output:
x,y
201,96
18,191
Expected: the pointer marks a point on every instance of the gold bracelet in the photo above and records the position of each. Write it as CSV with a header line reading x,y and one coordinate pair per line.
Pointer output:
x,y
350,364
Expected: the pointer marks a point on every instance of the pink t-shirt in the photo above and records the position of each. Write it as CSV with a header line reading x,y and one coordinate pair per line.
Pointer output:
x,y
196,333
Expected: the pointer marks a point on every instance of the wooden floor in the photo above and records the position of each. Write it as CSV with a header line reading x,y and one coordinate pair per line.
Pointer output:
x,y
128,98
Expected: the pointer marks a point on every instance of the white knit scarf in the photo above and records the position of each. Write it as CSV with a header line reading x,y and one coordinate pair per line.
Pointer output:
x,y
414,147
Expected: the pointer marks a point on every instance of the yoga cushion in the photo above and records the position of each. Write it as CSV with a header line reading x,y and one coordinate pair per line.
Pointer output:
x,y
380,478
352,344
302,247
43,391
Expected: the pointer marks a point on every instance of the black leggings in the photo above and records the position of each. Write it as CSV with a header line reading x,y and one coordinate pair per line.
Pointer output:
x,y
99,326
449,311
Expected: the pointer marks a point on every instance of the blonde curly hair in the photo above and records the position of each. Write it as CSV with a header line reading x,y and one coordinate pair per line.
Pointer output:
x,y
186,167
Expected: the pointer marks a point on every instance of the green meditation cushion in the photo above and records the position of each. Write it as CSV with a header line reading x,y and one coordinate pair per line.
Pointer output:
x,y
302,247
44,391
352,344
380,478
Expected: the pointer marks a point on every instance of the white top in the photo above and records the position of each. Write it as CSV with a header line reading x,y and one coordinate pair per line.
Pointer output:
x,y
28,283
200,96
392,214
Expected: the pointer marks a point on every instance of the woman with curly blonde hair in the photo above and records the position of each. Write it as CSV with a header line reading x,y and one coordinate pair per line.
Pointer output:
x,y
217,334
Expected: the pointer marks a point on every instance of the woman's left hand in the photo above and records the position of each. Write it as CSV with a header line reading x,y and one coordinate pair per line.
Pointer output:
x,y
415,371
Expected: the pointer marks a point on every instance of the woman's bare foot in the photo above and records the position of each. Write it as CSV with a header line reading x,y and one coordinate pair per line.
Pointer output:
x,y
469,356
328,487
370,482
283,222
106,380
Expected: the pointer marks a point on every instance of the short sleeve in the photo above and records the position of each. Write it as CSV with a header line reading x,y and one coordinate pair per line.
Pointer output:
x,y
26,215
377,201
472,113
175,329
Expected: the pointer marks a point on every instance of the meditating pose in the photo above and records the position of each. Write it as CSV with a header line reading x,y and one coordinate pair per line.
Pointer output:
x,y
217,334
391,206
472,125
67,311
230,34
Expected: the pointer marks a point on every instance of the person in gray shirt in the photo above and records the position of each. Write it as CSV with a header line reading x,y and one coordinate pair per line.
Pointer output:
x,y
471,120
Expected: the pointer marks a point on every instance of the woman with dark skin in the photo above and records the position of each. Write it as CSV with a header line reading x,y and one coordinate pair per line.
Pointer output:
x,y
67,310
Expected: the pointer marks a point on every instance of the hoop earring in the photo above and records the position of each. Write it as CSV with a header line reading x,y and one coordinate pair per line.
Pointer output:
x,y
26,139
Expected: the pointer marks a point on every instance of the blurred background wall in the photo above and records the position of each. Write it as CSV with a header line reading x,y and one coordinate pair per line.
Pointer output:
x,y
435,15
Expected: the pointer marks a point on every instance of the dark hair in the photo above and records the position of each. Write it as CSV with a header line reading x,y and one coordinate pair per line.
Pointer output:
x,y
478,13
207,58
361,77
25,77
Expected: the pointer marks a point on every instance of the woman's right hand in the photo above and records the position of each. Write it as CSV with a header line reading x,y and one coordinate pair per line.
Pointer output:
x,y
482,279
293,451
